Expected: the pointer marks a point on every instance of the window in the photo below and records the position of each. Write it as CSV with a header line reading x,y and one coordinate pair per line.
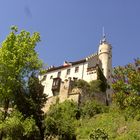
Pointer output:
x,y
75,78
59,74
68,71
51,77
44,77
76,69
55,82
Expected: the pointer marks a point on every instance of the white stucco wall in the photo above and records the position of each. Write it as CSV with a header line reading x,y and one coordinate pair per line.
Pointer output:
x,y
81,74
89,76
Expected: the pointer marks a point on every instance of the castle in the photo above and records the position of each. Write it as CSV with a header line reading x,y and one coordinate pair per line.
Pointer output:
x,y
57,81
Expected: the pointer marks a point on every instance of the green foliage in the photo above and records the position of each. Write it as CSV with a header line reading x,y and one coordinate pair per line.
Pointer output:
x,y
60,120
89,89
114,124
1,116
108,121
14,28
82,85
127,88
31,129
91,108
33,100
97,86
18,59
132,109
99,134
36,100
15,127
127,79
19,68
43,71
119,99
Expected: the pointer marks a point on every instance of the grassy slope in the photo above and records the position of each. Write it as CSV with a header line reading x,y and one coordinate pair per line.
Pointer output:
x,y
114,124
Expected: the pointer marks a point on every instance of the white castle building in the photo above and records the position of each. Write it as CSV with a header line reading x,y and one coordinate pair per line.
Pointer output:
x,y
54,80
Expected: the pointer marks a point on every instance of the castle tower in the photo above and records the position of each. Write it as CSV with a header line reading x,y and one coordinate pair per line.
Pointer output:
x,y
105,57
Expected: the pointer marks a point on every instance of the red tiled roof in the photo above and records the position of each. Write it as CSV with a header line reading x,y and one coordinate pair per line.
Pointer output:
x,y
65,66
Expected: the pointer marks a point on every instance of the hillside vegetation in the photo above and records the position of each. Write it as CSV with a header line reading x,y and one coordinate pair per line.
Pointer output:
x,y
95,121
113,124
99,122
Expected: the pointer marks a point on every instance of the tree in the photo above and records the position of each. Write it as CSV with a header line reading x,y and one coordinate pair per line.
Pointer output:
x,y
33,101
60,120
127,79
18,61
37,99
92,107
126,85
97,86
15,127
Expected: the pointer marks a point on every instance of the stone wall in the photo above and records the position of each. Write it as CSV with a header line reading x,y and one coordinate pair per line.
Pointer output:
x,y
64,94
67,92
100,97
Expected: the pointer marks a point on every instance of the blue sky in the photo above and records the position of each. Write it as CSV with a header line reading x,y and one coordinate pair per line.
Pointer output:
x,y
71,29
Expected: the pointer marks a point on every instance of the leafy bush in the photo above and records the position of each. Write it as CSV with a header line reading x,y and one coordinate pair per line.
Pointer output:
x,y
91,108
15,127
60,120
126,85
119,99
96,86
99,134
84,85
132,104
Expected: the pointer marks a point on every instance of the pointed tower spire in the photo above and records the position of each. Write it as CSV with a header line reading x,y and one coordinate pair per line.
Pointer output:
x,y
104,37
103,32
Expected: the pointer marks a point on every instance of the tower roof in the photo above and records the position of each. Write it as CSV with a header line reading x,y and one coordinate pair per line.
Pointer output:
x,y
103,40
